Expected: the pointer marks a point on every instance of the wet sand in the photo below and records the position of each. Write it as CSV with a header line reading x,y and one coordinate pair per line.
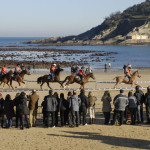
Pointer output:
x,y
97,136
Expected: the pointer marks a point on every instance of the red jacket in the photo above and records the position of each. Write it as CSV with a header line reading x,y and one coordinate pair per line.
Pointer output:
x,y
52,69
81,72
4,70
17,69
128,71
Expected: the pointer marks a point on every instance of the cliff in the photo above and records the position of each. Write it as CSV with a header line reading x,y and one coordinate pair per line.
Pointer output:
x,y
132,26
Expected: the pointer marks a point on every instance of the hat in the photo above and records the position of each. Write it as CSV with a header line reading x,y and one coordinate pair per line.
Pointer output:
x,y
54,64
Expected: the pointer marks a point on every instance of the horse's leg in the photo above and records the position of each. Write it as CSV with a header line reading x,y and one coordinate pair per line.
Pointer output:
x,y
42,84
4,85
11,84
66,85
48,85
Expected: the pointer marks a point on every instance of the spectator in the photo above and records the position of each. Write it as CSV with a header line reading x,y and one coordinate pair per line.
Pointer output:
x,y
91,101
57,108
33,106
22,110
51,106
64,106
106,99
140,100
2,110
69,111
43,104
83,107
147,103
8,111
120,102
74,104
132,107
89,69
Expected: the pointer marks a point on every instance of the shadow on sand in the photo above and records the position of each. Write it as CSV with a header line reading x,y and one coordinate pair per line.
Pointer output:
x,y
111,140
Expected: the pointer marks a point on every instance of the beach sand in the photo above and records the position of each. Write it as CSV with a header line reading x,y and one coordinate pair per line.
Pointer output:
x,y
97,136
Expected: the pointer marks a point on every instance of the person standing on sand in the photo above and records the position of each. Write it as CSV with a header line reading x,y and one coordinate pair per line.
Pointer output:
x,y
106,99
2,110
132,107
120,102
22,109
140,100
57,108
91,101
74,104
8,110
33,106
51,106
147,103
83,107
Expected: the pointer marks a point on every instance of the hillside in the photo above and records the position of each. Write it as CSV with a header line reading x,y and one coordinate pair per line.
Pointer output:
x,y
132,26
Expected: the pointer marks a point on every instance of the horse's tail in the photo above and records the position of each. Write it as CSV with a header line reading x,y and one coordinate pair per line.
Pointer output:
x,y
39,80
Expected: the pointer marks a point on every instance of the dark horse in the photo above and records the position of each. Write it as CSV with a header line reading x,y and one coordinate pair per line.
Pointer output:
x,y
6,78
41,80
74,79
19,78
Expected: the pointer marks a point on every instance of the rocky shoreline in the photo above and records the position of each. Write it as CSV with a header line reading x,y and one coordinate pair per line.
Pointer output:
x,y
51,55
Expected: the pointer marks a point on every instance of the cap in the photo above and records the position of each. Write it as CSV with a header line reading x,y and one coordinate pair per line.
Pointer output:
x,y
54,64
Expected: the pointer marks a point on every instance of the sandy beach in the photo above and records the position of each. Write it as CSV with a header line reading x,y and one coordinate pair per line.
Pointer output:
x,y
97,136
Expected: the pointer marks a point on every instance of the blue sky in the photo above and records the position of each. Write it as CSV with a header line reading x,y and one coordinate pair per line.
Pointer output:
x,y
47,18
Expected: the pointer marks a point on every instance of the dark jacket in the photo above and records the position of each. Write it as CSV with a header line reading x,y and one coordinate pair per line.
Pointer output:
x,y
64,104
140,97
9,108
147,99
1,105
51,103
21,105
120,102
84,101
33,102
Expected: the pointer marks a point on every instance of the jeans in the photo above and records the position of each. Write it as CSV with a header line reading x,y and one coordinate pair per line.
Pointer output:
x,y
75,117
82,113
8,122
52,113
148,113
140,113
120,115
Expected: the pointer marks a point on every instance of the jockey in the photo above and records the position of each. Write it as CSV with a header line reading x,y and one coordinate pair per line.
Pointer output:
x,y
128,73
4,70
52,70
17,69
81,73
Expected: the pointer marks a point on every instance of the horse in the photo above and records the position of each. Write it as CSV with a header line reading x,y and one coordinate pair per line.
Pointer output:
x,y
41,80
73,79
122,79
6,78
19,78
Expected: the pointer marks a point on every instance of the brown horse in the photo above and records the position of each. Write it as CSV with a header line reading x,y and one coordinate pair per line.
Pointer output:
x,y
74,79
6,78
19,78
43,79
121,79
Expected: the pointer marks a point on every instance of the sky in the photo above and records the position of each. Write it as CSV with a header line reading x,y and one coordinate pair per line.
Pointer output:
x,y
49,18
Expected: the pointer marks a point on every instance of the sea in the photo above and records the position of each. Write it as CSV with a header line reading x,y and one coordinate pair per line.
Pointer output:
x,y
138,56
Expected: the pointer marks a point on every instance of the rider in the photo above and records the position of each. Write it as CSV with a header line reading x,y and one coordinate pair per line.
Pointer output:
x,y
128,74
81,73
52,70
4,70
17,70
